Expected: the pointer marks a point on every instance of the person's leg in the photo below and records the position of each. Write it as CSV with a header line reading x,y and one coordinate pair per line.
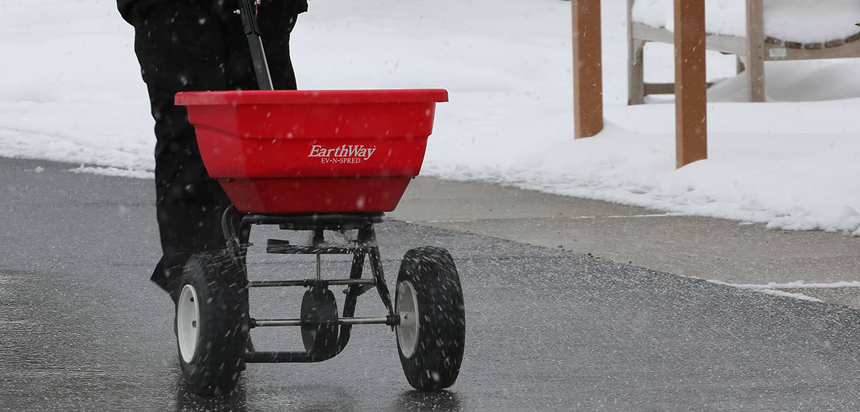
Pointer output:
x,y
180,48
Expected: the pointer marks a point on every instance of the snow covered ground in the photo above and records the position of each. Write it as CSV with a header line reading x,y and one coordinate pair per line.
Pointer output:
x,y
70,90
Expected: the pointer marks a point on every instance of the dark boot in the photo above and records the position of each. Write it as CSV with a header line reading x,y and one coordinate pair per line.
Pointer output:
x,y
168,279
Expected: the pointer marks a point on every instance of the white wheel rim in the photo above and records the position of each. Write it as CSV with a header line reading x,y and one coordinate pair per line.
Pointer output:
x,y
406,306
187,322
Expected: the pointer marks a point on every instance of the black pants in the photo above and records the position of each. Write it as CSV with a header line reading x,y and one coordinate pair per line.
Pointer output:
x,y
186,46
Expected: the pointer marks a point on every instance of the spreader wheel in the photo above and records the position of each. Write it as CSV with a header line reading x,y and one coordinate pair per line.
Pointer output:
x,y
211,323
432,332
318,305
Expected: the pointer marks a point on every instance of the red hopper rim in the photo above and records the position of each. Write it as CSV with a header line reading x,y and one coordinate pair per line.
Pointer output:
x,y
250,97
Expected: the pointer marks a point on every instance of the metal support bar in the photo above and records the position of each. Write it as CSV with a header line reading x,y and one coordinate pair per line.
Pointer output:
x,y
237,242
255,43
319,237
349,303
280,249
328,221
376,267
388,320
310,282
381,286
366,288
277,243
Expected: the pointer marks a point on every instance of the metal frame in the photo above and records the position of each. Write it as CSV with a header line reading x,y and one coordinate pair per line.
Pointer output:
x,y
237,232
247,11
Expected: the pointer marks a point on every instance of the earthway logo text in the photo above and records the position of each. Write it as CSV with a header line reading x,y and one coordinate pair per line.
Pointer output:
x,y
346,153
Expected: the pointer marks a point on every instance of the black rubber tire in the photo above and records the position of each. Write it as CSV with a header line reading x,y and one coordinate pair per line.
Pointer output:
x,y
223,329
319,305
435,363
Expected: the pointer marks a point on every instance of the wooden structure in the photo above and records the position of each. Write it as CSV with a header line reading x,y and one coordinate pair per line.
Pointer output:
x,y
587,69
691,98
691,95
752,50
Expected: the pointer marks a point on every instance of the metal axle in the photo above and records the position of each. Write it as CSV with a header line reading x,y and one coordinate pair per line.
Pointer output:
x,y
387,320
309,283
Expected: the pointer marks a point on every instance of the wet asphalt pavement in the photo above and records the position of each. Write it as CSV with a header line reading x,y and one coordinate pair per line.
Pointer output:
x,y
81,327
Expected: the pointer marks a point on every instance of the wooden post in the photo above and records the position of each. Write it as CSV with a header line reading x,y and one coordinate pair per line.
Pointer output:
x,y
635,63
691,98
755,50
587,69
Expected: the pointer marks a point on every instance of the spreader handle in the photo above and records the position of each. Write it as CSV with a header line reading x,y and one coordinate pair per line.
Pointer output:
x,y
258,54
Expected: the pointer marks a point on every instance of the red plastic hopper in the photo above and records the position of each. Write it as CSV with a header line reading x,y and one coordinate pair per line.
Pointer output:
x,y
287,152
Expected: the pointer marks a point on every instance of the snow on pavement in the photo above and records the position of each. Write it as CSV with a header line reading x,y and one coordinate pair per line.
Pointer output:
x,y
778,289
794,285
75,95
113,171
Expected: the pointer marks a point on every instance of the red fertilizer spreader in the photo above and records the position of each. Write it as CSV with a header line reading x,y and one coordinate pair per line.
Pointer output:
x,y
280,152
327,162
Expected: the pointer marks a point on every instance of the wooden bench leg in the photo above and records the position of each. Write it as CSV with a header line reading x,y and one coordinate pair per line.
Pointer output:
x,y
755,79
755,51
587,68
636,73
691,86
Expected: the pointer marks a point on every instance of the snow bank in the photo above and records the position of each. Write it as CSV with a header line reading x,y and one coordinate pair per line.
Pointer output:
x,y
74,94
69,85
804,21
